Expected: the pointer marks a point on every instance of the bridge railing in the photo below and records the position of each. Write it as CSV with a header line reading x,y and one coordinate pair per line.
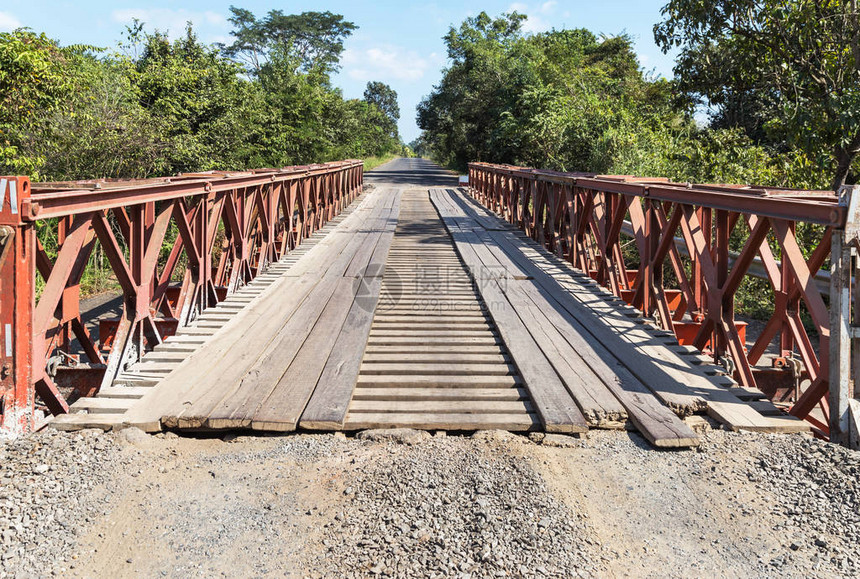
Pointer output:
x,y
664,247
174,246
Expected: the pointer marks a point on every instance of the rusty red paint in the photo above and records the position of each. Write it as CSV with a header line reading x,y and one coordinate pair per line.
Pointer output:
x,y
230,227
580,217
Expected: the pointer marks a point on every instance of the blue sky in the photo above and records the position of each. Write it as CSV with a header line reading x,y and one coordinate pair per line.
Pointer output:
x,y
399,43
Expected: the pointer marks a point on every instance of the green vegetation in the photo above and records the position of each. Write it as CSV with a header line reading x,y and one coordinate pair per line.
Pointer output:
x,y
569,100
780,81
159,107
788,73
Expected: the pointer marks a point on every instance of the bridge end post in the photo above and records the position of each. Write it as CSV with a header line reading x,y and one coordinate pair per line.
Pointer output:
x,y
17,301
844,410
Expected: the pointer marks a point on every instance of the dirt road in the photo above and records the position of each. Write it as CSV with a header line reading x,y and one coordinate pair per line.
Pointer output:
x,y
492,505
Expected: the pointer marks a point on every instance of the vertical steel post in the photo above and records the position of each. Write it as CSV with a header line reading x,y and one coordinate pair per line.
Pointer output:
x,y
17,302
841,328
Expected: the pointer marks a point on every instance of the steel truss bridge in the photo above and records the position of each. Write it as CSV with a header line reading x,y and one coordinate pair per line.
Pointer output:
x,y
293,298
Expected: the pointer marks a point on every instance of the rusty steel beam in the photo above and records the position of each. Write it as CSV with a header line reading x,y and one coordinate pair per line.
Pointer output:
x,y
51,201
686,228
819,207
229,227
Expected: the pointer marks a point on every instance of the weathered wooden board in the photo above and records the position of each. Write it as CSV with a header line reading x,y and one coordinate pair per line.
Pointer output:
x,y
684,387
512,422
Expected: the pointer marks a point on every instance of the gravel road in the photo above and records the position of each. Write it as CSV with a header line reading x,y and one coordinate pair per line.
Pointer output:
x,y
414,505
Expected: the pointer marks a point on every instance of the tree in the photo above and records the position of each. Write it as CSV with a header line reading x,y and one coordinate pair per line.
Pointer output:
x,y
199,99
800,60
384,98
32,82
314,39
545,100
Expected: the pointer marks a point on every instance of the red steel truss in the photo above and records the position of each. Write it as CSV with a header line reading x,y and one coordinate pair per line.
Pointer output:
x,y
685,229
230,227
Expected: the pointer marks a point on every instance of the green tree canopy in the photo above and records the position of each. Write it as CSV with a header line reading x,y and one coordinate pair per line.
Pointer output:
x,y
384,98
163,106
544,99
792,68
312,40
32,82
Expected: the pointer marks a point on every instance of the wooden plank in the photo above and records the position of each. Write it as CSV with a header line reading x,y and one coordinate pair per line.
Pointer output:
x,y
256,388
283,408
154,367
668,381
80,421
484,260
449,368
659,425
476,325
441,381
383,320
767,408
255,360
328,405
511,422
597,403
393,334
102,405
557,410
373,358
654,421
441,406
239,406
384,317
683,387
131,380
193,375
166,356
456,308
440,349
133,392
196,332
448,341
380,334
416,394
748,393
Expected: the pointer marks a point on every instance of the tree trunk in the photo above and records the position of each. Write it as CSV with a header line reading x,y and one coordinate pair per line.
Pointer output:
x,y
844,156
843,166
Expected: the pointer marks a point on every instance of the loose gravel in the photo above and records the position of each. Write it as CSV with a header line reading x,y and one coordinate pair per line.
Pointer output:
x,y
413,505
52,484
450,507
815,489
752,505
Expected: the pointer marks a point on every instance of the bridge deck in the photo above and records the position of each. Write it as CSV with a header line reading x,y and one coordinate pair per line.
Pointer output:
x,y
419,308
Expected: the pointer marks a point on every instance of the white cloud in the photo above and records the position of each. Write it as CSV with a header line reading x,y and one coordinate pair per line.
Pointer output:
x,y
170,21
534,23
386,63
8,23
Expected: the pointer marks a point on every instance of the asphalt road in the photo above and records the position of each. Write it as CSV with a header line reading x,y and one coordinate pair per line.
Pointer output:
x,y
418,172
